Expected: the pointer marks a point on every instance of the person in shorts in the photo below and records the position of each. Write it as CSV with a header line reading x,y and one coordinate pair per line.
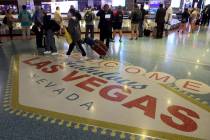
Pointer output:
x,y
194,16
184,21
117,22
135,19
26,22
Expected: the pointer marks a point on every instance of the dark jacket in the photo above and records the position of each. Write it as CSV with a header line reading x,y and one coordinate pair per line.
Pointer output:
x,y
136,16
50,24
74,29
144,13
37,29
160,16
38,17
105,22
46,22
74,26
185,17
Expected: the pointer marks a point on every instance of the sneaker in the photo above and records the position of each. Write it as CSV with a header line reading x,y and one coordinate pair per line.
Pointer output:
x,y
47,52
84,58
54,53
69,60
131,38
111,40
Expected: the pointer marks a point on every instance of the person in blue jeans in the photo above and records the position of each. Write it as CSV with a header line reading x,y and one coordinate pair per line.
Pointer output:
x,y
50,27
38,28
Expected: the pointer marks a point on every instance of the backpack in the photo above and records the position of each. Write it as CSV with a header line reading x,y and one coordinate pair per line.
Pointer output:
x,y
136,17
54,26
78,16
25,17
88,18
5,20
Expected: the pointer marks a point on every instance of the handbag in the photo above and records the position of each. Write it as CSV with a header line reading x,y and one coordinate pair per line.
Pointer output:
x,y
67,36
5,20
167,26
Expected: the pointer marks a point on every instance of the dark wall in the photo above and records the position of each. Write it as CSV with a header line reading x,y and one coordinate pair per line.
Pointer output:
x,y
7,2
82,4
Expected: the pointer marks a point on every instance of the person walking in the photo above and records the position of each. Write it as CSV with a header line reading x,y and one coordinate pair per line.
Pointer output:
x,y
26,21
9,22
184,21
89,18
75,32
160,21
136,17
117,22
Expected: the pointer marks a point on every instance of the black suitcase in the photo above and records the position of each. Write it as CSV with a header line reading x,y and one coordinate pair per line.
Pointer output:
x,y
147,33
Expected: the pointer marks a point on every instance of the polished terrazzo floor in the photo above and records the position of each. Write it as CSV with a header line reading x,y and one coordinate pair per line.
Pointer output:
x,y
183,56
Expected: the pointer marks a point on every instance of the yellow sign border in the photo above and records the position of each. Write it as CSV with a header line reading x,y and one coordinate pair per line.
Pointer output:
x,y
90,122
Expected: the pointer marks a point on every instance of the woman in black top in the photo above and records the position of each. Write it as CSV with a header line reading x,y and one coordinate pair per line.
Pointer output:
x,y
184,20
117,22
75,32
105,24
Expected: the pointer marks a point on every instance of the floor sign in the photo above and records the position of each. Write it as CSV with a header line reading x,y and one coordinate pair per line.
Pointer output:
x,y
110,95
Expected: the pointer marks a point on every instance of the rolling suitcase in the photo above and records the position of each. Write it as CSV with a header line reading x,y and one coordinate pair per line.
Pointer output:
x,y
98,46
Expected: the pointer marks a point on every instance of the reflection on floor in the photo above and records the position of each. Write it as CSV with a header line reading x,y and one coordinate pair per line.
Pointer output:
x,y
144,89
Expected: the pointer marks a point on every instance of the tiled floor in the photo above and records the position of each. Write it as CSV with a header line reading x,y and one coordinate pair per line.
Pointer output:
x,y
169,99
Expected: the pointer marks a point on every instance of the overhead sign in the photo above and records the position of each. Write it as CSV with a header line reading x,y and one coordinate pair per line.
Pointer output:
x,y
111,95
175,3
50,7
118,3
